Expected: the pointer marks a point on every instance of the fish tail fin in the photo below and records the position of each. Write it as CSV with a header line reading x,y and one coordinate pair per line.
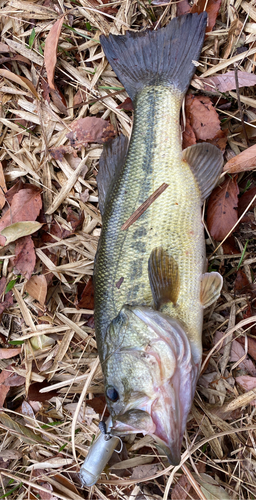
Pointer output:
x,y
163,57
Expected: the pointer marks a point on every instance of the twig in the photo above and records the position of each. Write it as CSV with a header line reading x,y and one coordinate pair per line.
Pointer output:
x,y
240,107
142,208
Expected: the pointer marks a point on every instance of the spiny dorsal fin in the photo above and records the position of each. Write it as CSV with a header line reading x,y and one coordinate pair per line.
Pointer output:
x,y
111,161
163,274
205,161
211,285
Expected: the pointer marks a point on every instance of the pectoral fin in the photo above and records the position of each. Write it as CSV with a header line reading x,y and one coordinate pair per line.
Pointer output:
x,y
163,274
205,161
211,286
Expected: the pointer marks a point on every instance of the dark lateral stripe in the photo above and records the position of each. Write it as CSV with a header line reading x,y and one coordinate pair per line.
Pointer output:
x,y
142,208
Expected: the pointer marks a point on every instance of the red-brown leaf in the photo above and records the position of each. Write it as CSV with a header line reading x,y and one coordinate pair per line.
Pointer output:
x,y
127,105
25,259
202,117
242,284
9,353
212,8
222,213
50,51
227,81
90,129
8,301
87,298
244,161
26,205
245,200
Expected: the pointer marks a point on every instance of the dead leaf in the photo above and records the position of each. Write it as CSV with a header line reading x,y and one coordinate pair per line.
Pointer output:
x,y
211,7
251,345
183,7
221,213
90,129
23,432
226,81
58,153
242,284
9,353
127,105
211,489
202,116
50,51
25,260
237,353
25,206
86,301
3,188
220,139
245,200
246,382
234,34
36,286
20,229
4,388
21,80
143,471
244,161
8,301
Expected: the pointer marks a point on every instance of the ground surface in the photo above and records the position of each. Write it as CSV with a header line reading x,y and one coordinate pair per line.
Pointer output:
x,y
60,101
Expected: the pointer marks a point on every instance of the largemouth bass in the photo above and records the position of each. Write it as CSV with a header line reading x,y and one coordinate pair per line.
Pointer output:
x,y
150,280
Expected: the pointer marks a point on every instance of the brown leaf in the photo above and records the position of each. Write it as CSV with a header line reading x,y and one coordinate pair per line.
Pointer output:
x,y
98,403
58,153
242,284
234,34
237,353
226,81
212,9
34,393
202,117
220,139
229,246
244,161
4,388
90,129
9,353
79,98
3,282
87,298
221,212
183,7
26,205
3,188
251,345
50,51
21,80
25,259
246,382
245,200
36,286
8,301
127,105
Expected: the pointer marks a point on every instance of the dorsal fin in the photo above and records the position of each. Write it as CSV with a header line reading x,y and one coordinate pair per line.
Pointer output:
x,y
111,161
205,161
163,274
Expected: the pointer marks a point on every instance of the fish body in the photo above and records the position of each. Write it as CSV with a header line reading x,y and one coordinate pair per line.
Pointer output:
x,y
150,286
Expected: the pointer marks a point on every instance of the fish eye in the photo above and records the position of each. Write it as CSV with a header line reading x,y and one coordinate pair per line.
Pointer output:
x,y
112,394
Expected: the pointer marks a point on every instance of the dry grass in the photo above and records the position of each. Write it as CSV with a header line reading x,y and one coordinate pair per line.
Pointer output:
x,y
40,430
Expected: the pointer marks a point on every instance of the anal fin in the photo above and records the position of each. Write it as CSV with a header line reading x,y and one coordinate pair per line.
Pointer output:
x,y
164,279
211,285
